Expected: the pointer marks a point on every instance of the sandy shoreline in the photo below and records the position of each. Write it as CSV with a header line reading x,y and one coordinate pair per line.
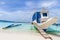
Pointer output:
x,y
8,35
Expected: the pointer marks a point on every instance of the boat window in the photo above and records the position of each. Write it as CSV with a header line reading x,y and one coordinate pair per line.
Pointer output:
x,y
45,14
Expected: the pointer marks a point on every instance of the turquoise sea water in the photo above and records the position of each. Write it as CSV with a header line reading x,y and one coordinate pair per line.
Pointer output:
x,y
54,29
17,26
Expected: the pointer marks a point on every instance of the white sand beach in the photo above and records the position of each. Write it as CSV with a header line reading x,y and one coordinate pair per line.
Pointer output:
x,y
5,35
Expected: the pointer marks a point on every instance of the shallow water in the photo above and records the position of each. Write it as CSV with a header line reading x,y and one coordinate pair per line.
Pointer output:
x,y
54,29
28,27
17,26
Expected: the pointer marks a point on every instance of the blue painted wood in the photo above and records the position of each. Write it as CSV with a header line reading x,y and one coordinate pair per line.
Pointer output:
x,y
36,17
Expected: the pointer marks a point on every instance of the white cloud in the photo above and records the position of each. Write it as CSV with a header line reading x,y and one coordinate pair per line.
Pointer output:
x,y
29,4
56,12
37,5
22,16
2,3
48,4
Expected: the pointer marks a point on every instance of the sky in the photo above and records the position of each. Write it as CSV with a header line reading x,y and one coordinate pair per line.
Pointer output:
x,y
23,10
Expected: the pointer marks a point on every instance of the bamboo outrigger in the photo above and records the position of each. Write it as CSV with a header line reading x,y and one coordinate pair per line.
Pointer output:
x,y
45,25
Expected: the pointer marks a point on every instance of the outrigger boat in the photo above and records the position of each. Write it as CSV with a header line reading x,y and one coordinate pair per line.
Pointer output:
x,y
42,21
45,25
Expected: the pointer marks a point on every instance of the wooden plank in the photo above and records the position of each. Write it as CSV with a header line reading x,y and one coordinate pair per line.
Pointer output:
x,y
44,34
49,22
